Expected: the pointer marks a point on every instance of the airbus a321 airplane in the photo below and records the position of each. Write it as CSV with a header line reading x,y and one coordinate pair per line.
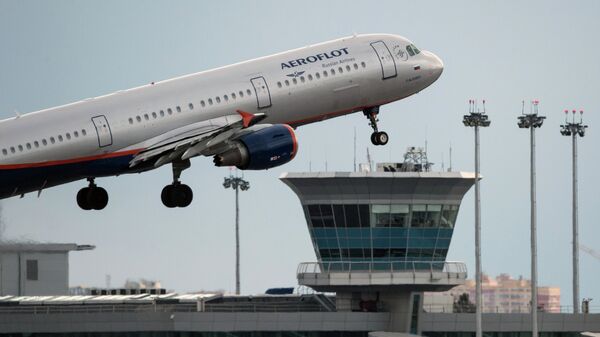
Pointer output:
x,y
243,115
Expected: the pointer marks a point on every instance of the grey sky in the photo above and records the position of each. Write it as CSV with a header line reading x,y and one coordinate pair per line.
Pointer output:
x,y
55,52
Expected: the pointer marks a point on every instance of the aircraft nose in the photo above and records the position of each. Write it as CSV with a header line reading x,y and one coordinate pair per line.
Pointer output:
x,y
436,65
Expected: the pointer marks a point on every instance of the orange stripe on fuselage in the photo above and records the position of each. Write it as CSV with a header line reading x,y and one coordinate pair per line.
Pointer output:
x,y
69,161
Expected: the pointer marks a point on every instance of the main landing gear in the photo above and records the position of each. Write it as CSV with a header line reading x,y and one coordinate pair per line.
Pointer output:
x,y
92,197
377,137
177,194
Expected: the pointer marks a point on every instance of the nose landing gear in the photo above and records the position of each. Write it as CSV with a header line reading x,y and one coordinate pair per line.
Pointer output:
x,y
177,194
377,137
92,197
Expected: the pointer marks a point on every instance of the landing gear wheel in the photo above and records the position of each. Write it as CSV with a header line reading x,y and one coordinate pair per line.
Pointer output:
x,y
92,197
382,137
177,195
377,137
82,196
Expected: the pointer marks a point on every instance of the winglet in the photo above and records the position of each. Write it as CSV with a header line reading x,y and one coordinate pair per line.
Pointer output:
x,y
249,119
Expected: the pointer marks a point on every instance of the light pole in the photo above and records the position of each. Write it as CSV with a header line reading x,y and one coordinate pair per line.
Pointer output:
x,y
574,129
237,183
477,119
532,121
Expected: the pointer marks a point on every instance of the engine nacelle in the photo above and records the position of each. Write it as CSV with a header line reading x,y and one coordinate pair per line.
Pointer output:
x,y
262,149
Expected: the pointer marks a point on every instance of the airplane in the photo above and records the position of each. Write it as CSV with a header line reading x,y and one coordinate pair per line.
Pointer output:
x,y
242,115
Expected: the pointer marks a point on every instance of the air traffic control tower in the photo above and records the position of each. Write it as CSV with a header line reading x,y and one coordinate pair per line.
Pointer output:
x,y
381,238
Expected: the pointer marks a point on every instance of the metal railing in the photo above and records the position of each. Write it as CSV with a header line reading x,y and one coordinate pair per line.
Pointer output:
x,y
387,266
524,309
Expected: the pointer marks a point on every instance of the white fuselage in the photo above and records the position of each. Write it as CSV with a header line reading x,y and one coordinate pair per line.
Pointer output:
x,y
295,87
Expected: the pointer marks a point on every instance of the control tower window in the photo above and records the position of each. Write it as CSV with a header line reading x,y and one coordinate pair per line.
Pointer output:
x,y
419,216
449,213
352,219
380,215
399,215
338,212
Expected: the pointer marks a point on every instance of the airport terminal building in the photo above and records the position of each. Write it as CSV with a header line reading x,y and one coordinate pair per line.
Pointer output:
x,y
380,240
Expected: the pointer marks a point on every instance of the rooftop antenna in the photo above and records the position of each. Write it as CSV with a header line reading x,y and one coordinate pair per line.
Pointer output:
x,y
443,167
369,160
450,166
355,149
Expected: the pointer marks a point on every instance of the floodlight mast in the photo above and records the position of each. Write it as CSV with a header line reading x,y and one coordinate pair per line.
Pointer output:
x,y
237,183
574,129
477,119
532,121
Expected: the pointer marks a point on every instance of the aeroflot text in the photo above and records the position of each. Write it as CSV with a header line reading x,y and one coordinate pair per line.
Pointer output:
x,y
315,58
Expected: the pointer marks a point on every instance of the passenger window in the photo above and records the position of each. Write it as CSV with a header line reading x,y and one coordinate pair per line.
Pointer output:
x,y
76,134
130,120
44,142
36,144
162,113
302,79
83,132
146,117
347,68
154,115
191,106
60,138
295,81
248,92
241,94
310,78
169,111
68,136
332,72
210,101
318,75
340,70
233,93
4,152
226,98
287,83
325,73
12,149
362,64
202,103
410,50
355,66
28,145
218,99
178,108
279,84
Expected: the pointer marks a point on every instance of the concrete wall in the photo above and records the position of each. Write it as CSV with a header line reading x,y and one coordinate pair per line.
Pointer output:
x,y
53,273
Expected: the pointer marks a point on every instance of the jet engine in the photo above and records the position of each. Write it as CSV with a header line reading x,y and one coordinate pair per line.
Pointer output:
x,y
262,149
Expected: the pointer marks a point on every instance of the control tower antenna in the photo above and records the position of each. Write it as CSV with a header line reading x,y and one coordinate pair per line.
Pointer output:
x,y
369,161
574,129
450,166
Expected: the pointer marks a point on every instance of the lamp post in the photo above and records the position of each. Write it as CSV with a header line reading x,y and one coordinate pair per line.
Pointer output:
x,y
477,119
574,129
237,183
532,121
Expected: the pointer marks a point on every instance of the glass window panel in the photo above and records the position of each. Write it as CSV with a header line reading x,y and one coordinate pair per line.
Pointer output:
x,y
352,219
433,215
419,216
380,215
399,215
327,216
448,216
363,210
338,211
315,215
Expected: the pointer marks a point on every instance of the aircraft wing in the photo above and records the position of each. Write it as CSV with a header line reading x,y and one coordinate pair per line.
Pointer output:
x,y
207,138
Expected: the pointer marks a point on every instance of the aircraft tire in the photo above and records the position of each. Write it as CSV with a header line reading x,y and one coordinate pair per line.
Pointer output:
x,y
82,199
374,138
166,196
185,195
97,198
382,138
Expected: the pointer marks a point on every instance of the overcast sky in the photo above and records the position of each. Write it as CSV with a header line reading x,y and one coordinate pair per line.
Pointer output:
x,y
56,52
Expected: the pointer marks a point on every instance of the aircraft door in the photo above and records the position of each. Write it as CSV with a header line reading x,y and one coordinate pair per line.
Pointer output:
x,y
103,131
388,65
261,89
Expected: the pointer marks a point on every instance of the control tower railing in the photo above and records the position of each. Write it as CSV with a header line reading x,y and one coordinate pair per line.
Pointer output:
x,y
383,266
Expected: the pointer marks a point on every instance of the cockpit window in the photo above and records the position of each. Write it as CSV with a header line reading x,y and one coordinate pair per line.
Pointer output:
x,y
412,50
